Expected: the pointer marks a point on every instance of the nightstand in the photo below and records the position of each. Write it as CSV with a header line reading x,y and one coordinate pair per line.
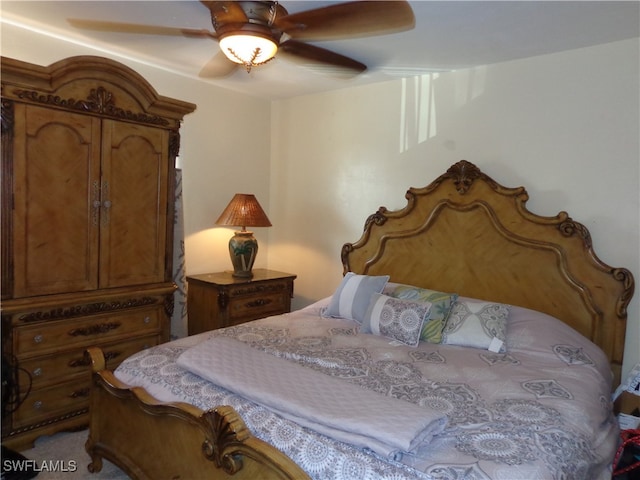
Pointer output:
x,y
216,300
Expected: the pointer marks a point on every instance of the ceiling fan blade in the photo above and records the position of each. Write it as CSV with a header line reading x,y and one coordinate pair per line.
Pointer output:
x,y
330,61
138,28
348,20
227,12
219,66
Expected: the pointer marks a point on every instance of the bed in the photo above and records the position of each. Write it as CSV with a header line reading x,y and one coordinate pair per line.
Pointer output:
x,y
469,338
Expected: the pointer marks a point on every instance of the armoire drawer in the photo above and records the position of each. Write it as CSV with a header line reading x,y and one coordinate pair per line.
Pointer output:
x,y
44,403
47,369
56,336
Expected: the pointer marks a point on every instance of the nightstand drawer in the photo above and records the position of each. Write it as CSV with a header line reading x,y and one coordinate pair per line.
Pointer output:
x,y
257,306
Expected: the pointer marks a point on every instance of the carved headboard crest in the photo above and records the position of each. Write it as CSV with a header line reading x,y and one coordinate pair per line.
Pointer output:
x,y
463,174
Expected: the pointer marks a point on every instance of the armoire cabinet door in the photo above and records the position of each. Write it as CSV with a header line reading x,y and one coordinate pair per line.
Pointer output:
x,y
134,204
56,166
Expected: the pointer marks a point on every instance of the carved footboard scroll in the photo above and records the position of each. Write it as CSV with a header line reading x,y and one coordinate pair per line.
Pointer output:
x,y
153,440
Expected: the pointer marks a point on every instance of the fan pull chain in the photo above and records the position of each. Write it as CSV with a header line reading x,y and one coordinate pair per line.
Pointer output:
x,y
273,10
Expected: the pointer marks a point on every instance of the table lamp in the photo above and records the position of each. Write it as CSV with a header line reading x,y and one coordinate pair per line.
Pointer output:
x,y
243,211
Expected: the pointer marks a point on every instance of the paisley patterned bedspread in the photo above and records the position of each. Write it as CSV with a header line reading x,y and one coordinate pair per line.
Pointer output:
x,y
541,410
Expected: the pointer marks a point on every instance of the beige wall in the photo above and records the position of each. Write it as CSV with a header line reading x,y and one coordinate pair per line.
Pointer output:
x,y
564,125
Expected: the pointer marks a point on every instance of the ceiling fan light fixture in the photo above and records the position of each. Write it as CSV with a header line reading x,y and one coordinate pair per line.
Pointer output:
x,y
248,49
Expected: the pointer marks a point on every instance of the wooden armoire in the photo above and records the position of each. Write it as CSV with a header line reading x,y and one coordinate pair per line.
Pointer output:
x,y
88,173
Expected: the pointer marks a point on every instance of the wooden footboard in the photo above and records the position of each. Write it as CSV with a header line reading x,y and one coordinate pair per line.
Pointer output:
x,y
153,440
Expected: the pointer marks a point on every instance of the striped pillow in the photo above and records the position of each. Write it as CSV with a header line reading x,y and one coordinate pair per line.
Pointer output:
x,y
351,298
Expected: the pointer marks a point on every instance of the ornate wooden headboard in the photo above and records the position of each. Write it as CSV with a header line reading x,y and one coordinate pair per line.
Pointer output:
x,y
468,234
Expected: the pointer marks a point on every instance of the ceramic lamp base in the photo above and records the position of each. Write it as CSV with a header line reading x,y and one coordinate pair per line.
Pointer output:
x,y
243,248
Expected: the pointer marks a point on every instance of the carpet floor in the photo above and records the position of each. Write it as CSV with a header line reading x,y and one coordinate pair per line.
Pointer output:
x,y
68,449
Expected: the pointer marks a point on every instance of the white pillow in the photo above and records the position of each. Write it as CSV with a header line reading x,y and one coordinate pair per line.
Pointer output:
x,y
395,318
479,324
351,298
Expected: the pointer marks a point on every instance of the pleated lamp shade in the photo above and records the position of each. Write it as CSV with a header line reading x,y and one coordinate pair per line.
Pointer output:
x,y
243,211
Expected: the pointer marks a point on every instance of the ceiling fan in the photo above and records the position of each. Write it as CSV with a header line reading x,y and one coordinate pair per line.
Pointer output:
x,y
250,33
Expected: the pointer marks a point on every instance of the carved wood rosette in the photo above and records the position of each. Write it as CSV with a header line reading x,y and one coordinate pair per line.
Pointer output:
x,y
229,431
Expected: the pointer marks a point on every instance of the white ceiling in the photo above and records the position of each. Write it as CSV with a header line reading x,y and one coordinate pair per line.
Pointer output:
x,y
448,35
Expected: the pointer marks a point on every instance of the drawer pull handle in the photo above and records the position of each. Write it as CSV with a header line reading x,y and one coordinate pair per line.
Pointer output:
x,y
223,300
94,329
37,372
147,320
79,362
83,392
38,338
111,355
37,404
86,361
261,302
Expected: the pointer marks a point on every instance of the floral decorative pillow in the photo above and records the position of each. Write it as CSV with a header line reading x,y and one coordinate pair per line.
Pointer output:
x,y
441,304
351,298
474,323
400,320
